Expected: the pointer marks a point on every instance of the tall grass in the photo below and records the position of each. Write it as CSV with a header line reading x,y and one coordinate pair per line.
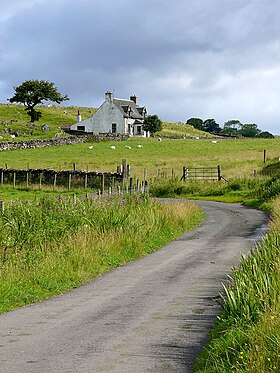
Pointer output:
x,y
50,245
236,190
246,337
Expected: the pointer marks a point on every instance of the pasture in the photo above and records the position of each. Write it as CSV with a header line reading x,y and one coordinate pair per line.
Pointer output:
x,y
237,157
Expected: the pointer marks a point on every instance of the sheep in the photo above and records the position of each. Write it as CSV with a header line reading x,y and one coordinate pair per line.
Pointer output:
x,y
159,138
90,147
112,147
128,147
139,146
214,141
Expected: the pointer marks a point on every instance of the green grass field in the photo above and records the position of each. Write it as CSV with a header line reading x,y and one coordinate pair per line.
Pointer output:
x,y
237,158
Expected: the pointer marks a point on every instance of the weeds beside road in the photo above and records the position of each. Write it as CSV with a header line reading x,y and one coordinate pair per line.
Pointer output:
x,y
50,246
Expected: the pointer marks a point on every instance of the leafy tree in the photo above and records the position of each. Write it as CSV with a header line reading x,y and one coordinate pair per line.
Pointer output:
x,y
196,123
265,135
249,130
152,123
33,92
231,127
210,125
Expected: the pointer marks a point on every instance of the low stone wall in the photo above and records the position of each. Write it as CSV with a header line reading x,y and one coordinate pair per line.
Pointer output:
x,y
32,144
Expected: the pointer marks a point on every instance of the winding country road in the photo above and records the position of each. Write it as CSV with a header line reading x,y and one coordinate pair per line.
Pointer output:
x,y
152,315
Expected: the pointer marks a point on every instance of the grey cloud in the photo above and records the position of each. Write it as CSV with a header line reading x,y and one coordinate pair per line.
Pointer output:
x,y
183,58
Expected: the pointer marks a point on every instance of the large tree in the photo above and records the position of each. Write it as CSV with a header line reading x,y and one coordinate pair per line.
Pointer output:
x,y
249,130
152,123
210,125
196,123
33,92
231,127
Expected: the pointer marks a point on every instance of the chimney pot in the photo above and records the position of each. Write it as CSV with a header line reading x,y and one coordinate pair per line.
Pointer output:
x,y
134,99
109,96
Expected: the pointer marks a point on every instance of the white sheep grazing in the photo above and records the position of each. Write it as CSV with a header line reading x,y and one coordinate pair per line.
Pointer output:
x,y
90,147
128,147
159,139
214,141
112,147
139,146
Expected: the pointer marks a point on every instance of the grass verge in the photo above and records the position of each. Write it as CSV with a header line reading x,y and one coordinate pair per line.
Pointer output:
x,y
50,246
246,337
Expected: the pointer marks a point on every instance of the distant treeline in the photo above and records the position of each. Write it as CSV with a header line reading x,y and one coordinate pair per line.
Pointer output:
x,y
232,128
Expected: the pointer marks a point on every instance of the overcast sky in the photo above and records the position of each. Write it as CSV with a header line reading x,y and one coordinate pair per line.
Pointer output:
x,y
202,58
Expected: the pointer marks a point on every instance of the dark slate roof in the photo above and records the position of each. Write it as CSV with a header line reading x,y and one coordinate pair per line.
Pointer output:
x,y
124,105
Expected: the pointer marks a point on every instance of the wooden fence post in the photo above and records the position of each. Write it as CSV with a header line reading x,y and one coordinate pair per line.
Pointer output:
x,y
264,156
27,179
145,174
146,187
219,173
86,180
40,180
131,185
69,180
124,169
54,180
102,183
2,177
14,181
184,174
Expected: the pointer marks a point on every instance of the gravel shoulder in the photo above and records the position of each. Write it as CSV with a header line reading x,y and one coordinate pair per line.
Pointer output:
x,y
152,315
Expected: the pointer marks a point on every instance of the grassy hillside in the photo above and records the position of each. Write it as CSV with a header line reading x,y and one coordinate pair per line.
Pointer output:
x,y
181,129
13,118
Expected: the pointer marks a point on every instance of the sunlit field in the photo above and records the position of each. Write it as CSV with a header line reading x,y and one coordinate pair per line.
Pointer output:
x,y
237,157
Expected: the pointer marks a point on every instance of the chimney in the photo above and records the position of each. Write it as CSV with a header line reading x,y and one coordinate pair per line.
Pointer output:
x,y
79,117
134,99
109,96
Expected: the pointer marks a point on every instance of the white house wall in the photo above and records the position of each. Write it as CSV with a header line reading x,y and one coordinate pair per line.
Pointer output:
x,y
102,120
106,115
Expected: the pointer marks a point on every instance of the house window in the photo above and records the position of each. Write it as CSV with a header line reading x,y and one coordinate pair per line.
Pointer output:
x,y
114,127
81,128
139,129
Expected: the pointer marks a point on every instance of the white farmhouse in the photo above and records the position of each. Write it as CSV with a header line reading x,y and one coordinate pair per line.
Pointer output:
x,y
114,116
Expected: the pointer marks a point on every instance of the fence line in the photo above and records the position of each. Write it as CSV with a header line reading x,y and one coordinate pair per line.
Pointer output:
x,y
130,188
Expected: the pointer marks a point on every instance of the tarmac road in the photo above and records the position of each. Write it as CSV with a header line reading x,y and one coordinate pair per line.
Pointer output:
x,y
152,315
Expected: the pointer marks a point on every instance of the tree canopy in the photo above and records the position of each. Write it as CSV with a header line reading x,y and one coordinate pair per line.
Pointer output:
x,y
231,127
33,92
249,130
152,123
196,123
210,125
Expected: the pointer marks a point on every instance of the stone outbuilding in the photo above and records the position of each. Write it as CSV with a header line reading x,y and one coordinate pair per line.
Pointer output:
x,y
115,115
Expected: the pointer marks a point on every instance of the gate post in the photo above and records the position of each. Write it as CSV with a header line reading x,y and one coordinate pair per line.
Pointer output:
x,y
219,173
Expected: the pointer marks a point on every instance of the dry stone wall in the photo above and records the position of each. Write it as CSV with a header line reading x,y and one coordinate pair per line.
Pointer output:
x,y
32,144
